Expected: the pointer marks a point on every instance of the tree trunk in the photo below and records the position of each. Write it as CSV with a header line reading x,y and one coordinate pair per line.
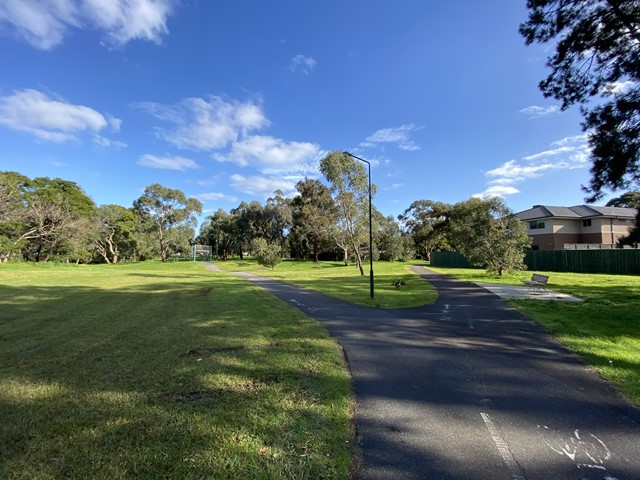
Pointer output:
x,y
316,252
345,257
358,258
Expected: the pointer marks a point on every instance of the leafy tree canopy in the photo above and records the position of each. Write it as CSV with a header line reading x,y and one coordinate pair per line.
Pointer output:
x,y
628,199
427,222
348,181
487,233
313,216
596,57
168,209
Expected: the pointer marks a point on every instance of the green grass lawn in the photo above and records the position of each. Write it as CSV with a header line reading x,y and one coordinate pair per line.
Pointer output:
x,y
333,278
604,329
164,371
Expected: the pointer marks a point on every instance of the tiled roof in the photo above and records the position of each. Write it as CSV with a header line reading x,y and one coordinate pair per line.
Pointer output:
x,y
577,212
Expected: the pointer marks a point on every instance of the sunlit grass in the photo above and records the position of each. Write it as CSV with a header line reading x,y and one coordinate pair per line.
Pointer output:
x,y
164,371
604,329
345,282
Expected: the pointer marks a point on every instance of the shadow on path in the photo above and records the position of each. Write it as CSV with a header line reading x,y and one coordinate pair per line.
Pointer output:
x,y
467,388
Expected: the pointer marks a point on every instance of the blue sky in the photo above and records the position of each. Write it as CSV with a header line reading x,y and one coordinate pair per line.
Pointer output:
x,y
229,101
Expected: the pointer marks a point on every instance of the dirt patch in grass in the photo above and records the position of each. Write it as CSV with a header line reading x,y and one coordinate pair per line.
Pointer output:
x,y
203,396
197,351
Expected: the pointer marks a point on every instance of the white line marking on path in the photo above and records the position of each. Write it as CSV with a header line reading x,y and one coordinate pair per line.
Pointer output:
x,y
503,448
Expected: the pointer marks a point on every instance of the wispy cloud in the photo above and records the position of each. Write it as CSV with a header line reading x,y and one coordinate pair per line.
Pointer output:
x,y
205,123
401,136
269,151
262,186
216,196
512,172
45,23
497,191
167,163
571,141
52,119
535,111
566,154
107,143
622,87
302,64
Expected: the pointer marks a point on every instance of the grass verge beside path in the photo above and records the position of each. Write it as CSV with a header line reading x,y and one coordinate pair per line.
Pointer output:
x,y
346,283
164,371
604,329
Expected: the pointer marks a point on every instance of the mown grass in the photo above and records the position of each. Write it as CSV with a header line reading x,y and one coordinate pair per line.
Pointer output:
x,y
604,329
164,371
345,282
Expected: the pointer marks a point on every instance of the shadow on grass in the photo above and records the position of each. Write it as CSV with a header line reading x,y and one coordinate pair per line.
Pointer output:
x,y
212,379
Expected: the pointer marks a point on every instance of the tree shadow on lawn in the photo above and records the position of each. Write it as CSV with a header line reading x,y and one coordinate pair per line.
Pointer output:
x,y
187,383
414,291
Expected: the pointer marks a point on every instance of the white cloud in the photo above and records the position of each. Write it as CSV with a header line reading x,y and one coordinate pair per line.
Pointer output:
x,y
262,186
511,172
571,141
105,142
306,168
126,20
54,120
167,163
535,111
549,153
497,191
114,123
45,23
212,196
206,123
269,151
399,135
568,153
621,87
302,64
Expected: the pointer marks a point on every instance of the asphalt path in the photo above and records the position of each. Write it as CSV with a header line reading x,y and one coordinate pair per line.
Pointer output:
x,y
467,388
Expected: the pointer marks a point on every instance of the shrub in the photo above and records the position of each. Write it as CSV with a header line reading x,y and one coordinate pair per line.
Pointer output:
x,y
267,255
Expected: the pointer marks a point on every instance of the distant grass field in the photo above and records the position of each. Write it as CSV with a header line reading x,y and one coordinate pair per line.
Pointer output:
x,y
333,278
164,371
604,329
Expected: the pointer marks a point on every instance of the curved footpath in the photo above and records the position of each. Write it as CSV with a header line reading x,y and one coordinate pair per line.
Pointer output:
x,y
468,388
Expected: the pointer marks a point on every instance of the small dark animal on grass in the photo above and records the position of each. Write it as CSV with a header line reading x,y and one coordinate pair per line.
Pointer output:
x,y
398,283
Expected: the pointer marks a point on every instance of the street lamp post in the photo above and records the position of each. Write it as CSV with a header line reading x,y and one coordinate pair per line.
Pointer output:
x,y
370,224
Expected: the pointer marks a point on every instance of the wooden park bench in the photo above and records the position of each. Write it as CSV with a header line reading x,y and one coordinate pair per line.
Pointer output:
x,y
538,283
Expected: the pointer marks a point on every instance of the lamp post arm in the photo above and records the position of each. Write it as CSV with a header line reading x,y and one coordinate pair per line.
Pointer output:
x,y
371,288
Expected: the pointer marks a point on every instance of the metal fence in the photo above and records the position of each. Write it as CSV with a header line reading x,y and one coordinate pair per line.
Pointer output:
x,y
577,261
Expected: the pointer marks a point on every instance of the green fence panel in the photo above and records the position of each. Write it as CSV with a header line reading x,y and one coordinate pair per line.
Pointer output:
x,y
448,259
585,261
618,261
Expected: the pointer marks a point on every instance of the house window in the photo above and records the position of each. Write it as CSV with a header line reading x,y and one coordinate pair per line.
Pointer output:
x,y
536,224
586,223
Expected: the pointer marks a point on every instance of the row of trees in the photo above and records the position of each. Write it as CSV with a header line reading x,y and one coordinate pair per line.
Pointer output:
x,y
43,219
332,222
